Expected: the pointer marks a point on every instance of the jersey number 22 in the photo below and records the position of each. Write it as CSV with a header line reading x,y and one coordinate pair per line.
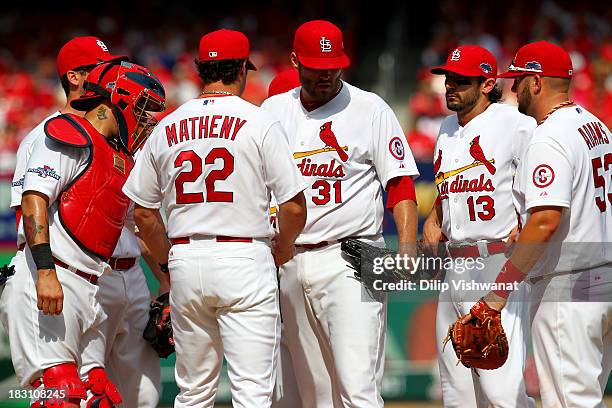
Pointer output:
x,y
212,195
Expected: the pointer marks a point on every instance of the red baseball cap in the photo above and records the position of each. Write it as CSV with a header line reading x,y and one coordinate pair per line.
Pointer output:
x,y
83,51
469,61
318,45
543,58
225,44
284,81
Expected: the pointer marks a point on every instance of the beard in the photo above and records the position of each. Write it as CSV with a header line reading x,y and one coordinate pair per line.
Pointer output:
x,y
462,102
524,100
321,92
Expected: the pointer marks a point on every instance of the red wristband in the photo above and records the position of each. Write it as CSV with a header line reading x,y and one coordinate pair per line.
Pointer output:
x,y
400,189
509,274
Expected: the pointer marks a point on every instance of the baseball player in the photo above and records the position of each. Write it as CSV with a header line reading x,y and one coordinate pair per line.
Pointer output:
x,y
71,233
563,189
212,164
123,294
75,60
348,145
283,82
286,394
475,159
130,362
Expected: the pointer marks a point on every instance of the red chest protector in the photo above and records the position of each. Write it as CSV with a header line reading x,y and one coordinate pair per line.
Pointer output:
x,y
92,207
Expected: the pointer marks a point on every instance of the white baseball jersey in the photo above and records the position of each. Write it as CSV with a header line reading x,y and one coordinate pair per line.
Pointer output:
x,y
212,164
50,169
23,154
346,149
475,165
569,164
128,245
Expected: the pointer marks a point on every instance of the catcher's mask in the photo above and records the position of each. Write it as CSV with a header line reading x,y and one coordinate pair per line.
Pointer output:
x,y
133,91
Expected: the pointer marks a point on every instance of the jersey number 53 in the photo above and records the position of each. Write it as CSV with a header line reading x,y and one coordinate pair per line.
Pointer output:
x,y
600,181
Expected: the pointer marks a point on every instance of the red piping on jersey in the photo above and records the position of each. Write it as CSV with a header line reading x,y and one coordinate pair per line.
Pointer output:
x,y
400,189
17,217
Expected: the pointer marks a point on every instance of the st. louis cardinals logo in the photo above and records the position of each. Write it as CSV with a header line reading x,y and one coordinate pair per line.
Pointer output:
x,y
328,137
479,160
330,169
396,147
456,55
479,156
543,176
102,45
326,45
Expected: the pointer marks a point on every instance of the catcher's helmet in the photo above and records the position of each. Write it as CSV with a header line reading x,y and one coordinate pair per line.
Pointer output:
x,y
133,90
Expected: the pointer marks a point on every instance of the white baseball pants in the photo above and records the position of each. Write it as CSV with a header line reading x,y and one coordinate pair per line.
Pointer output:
x,y
130,362
41,341
224,302
331,329
505,386
572,337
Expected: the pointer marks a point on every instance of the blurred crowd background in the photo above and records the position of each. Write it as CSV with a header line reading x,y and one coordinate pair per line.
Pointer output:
x,y
391,45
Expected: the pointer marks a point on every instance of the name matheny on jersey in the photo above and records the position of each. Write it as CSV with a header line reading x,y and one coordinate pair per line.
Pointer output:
x,y
204,127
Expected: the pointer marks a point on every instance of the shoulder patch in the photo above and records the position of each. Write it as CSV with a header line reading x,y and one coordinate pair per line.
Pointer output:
x,y
68,130
543,176
396,147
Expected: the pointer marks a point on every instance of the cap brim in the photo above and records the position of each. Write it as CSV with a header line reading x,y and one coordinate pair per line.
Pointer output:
x,y
515,74
116,58
250,65
340,62
86,102
444,69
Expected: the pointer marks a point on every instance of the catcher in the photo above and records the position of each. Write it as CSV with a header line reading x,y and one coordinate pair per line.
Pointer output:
x,y
123,294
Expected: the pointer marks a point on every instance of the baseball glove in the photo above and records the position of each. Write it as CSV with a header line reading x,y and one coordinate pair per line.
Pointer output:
x,y
361,257
158,331
478,338
5,273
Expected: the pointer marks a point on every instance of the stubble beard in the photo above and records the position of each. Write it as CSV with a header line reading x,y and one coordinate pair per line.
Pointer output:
x,y
524,101
467,102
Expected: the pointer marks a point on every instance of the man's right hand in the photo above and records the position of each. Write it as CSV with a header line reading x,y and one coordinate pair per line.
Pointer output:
x,y
49,292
